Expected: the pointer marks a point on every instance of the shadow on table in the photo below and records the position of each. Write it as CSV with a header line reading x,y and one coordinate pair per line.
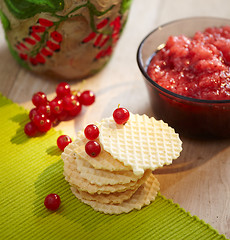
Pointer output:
x,y
20,137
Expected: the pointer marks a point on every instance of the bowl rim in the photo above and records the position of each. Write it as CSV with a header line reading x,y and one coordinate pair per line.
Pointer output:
x,y
152,82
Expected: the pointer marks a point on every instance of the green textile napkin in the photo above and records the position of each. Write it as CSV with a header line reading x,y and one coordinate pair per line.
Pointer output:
x,y
31,168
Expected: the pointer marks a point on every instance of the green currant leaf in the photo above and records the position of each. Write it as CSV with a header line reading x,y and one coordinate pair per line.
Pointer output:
x,y
94,12
125,5
23,9
15,55
5,21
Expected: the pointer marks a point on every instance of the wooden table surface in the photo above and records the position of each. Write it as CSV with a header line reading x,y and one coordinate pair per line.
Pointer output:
x,y
199,180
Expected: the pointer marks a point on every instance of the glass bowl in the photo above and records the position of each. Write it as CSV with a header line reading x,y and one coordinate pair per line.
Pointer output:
x,y
189,116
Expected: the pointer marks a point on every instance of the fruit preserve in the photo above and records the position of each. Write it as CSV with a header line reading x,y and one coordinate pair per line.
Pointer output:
x,y
196,67
186,68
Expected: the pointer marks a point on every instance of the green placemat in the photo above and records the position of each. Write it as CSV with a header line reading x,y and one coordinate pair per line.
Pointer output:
x,y
31,168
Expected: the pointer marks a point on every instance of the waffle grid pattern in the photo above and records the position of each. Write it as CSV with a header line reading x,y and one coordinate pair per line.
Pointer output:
x,y
104,161
103,177
142,143
112,198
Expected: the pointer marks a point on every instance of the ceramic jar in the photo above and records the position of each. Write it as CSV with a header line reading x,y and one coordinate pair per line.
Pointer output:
x,y
69,39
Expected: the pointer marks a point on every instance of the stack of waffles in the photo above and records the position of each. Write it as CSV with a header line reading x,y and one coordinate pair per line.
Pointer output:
x,y
120,178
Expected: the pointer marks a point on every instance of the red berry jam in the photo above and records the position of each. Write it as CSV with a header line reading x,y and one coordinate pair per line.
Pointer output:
x,y
197,67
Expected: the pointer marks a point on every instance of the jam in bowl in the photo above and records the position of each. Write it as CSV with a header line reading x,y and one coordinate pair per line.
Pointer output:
x,y
186,67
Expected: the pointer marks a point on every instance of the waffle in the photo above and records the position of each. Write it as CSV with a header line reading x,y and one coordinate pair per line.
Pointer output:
x,y
143,196
112,198
103,177
120,178
75,180
142,143
73,176
103,161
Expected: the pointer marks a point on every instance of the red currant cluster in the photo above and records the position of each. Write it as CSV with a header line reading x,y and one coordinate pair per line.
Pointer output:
x,y
37,34
100,39
66,105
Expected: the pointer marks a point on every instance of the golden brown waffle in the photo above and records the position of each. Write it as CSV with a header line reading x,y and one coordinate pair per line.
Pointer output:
x,y
142,143
143,196
112,198
103,161
103,177
73,176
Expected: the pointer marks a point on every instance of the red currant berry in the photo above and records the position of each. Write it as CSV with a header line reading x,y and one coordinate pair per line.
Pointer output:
x,y
92,148
63,116
69,102
91,132
52,201
77,109
56,106
44,109
39,120
53,118
87,98
121,115
76,93
46,126
33,112
63,141
30,129
39,99
63,89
